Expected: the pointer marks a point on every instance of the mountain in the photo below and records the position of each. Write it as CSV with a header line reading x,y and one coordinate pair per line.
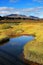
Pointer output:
x,y
16,16
22,16
33,17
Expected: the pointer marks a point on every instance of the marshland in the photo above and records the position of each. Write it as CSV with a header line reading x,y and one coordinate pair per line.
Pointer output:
x,y
24,38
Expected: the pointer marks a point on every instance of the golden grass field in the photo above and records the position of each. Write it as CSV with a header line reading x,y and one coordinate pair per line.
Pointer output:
x,y
33,50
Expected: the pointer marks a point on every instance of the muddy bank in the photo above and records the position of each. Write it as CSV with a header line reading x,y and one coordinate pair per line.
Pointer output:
x,y
17,35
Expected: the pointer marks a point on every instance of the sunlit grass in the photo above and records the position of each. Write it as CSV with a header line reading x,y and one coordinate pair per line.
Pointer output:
x,y
2,36
33,49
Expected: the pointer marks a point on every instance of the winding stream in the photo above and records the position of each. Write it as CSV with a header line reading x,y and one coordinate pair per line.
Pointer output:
x,y
15,45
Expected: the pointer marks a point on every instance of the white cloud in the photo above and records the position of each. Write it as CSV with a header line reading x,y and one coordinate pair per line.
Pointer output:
x,y
37,11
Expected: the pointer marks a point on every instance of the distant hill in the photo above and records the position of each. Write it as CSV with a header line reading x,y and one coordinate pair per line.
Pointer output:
x,y
16,16
33,17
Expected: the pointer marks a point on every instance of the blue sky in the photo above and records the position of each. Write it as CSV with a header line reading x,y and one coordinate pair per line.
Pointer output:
x,y
25,7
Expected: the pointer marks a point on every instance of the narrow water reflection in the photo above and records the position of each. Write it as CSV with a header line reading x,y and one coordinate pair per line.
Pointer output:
x,y
15,45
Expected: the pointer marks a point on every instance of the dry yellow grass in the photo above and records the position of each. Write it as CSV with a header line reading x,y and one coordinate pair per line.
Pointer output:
x,y
24,28
2,37
33,50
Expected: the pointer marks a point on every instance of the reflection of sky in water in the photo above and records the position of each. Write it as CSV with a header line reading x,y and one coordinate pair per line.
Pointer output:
x,y
15,45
